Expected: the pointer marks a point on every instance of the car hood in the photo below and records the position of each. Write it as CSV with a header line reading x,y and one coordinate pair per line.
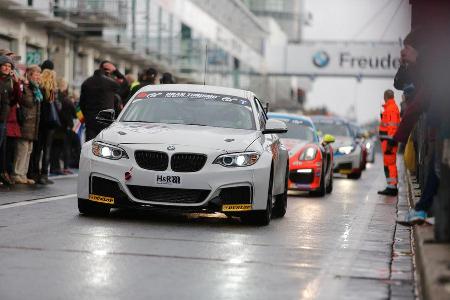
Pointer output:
x,y
214,138
293,145
343,141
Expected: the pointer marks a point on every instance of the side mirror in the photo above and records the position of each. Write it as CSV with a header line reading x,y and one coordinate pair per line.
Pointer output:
x,y
275,126
328,139
106,117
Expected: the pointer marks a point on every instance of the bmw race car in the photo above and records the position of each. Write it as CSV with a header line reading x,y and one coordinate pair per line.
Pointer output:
x,y
348,154
310,161
188,148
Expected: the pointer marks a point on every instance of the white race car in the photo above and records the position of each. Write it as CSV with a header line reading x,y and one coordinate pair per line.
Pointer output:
x,y
190,148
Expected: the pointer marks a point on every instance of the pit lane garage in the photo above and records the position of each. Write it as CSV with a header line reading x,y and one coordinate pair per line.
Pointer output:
x,y
310,160
189,148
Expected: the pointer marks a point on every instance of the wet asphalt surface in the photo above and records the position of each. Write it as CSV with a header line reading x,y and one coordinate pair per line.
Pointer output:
x,y
336,247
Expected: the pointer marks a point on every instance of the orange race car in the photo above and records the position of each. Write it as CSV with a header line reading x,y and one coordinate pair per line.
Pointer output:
x,y
310,159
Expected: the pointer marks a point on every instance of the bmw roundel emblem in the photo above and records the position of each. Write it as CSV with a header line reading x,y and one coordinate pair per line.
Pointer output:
x,y
321,59
171,147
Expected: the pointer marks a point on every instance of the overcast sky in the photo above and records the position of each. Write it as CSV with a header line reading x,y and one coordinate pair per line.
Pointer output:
x,y
358,20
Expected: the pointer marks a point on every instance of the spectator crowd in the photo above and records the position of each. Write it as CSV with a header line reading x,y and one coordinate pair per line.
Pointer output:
x,y
42,121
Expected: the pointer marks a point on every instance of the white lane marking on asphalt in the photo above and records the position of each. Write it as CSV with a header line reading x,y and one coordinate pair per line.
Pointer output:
x,y
42,200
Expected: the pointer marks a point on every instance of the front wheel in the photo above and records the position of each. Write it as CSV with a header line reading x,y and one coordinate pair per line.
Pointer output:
x,y
354,175
89,208
261,217
322,188
280,207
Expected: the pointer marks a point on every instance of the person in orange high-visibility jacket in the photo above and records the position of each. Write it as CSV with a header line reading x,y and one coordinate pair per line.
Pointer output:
x,y
390,120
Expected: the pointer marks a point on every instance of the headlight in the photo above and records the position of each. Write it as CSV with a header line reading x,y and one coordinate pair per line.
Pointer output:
x,y
346,149
243,159
108,151
368,145
308,154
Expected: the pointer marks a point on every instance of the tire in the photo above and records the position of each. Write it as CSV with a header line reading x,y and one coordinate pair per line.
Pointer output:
x,y
280,207
261,217
355,175
90,208
330,184
322,188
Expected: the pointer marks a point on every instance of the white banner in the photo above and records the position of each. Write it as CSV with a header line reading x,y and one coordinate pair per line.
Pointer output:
x,y
343,59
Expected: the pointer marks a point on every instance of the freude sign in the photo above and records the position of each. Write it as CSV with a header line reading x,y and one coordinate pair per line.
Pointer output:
x,y
343,59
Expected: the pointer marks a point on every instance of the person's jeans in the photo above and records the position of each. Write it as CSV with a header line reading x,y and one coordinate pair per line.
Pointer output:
x,y
431,188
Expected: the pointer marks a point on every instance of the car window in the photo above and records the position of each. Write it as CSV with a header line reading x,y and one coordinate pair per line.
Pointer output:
x,y
298,131
333,128
191,109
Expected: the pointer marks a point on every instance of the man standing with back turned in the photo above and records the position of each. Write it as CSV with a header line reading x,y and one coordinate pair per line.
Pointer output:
x,y
390,120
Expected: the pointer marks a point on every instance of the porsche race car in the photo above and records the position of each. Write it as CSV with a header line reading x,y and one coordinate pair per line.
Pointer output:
x,y
310,160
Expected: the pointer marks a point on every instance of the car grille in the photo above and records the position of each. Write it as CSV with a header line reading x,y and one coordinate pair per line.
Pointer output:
x,y
187,162
344,166
168,195
152,160
301,178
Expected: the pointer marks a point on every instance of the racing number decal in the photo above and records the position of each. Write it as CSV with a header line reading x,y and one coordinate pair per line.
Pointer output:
x,y
101,199
236,207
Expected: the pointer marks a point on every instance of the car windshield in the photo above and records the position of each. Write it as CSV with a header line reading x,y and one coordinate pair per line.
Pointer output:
x,y
191,108
298,131
336,129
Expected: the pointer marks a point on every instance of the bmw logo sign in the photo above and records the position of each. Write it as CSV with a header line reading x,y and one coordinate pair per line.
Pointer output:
x,y
321,59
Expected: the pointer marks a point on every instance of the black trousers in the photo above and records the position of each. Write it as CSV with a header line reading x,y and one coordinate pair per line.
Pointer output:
x,y
61,149
41,149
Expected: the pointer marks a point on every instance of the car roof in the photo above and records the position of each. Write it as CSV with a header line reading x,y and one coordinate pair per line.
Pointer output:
x,y
290,116
197,88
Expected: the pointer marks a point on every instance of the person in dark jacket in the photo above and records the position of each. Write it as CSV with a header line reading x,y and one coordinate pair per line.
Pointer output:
x,y
167,78
31,105
9,95
62,145
99,92
148,77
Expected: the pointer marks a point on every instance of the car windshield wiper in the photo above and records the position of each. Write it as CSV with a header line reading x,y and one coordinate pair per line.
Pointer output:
x,y
195,124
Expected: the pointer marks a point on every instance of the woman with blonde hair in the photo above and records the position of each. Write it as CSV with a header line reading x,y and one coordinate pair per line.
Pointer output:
x,y
31,106
49,121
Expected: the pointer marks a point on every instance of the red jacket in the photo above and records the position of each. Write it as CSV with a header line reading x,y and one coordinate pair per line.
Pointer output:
x,y
12,125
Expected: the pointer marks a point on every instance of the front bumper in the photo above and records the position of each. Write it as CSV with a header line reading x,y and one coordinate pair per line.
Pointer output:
x,y
304,175
208,189
347,163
